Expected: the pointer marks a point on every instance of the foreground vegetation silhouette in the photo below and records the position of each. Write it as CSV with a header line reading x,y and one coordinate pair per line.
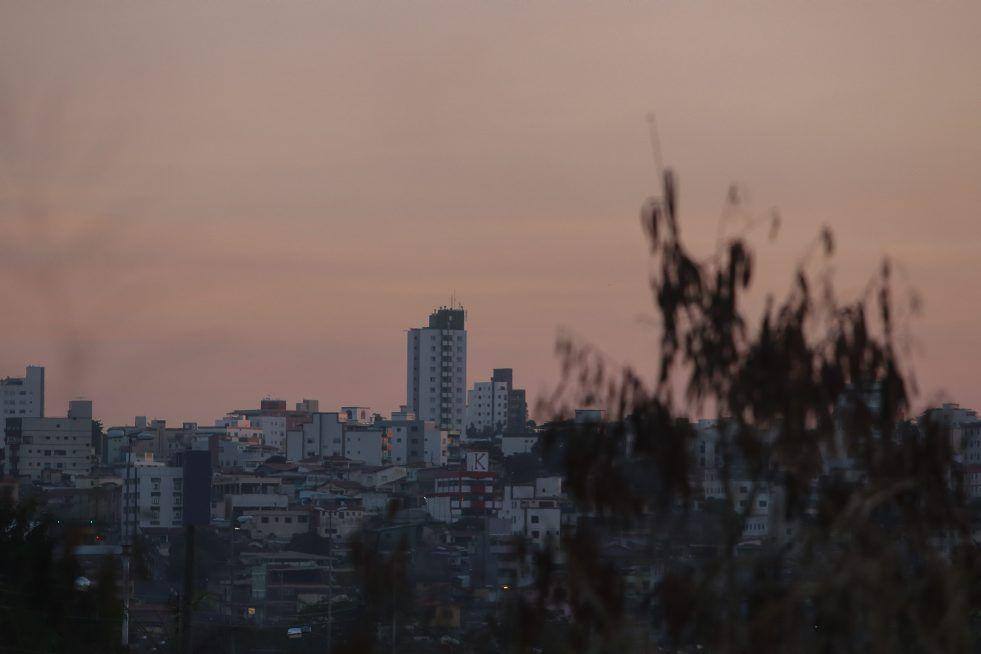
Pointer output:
x,y
873,550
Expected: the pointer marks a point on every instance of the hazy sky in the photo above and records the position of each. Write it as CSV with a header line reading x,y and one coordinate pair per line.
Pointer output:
x,y
206,202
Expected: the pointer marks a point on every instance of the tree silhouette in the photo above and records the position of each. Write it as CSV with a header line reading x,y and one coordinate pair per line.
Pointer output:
x,y
867,541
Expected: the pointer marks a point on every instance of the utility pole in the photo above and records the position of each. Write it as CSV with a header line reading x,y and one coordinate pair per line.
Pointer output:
x,y
196,490
231,580
231,564
330,583
185,620
127,544
124,640
393,603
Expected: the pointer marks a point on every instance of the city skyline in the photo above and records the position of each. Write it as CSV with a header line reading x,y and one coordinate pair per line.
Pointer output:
x,y
260,204
436,325
538,327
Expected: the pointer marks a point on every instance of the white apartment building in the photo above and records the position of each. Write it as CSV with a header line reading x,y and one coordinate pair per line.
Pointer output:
x,y
153,495
436,369
328,434
415,441
487,407
21,397
365,445
61,445
323,436
534,509
273,430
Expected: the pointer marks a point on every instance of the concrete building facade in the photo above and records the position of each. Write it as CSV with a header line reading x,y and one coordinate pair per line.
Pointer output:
x,y
487,408
436,369
21,397
53,445
415,441
323,436
496,406
153,495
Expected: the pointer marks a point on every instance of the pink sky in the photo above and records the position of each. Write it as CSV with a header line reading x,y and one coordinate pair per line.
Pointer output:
x,y
205,203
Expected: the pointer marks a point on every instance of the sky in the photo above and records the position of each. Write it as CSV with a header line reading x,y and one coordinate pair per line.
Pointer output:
x,y
202,204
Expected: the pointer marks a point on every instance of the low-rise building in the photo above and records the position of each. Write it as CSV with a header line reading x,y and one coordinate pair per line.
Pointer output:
x,y
235,495
60,445
321,437
339,518
533,509
375,476
364,444
277,524
463,493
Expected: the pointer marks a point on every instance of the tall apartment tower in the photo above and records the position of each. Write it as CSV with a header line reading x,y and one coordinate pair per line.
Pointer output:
x,y
516,413
496,405
436,369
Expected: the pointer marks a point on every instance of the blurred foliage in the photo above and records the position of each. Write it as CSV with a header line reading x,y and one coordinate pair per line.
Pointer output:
x,y
42,608
879,559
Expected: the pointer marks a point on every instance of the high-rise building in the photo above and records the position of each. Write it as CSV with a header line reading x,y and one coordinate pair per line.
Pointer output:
x,y
487,408
516,414
517,410
21,397
436,369
496,406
